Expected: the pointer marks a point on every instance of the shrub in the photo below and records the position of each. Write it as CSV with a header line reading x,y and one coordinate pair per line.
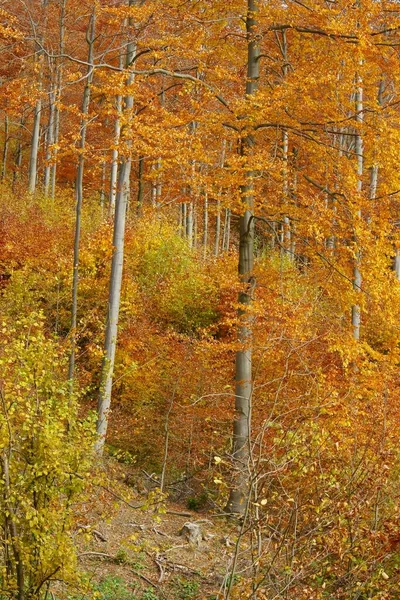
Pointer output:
x,y
45,453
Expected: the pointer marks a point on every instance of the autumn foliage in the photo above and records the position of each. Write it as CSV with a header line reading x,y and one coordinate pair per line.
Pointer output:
x,y
316,147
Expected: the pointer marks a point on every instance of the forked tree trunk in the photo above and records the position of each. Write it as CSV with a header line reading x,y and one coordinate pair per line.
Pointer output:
x,y
244,381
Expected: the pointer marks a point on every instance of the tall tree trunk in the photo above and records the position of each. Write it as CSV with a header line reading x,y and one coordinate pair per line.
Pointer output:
x,y
18,155
359,148
227,230
114,298
140,186
218,217
33,160
79,193
114,160
189,224
53,169
217,228
49,143
243,375
205,225
5,149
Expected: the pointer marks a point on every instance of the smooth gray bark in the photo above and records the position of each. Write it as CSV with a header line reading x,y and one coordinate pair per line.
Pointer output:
x,y
33,159
218,217
49,143
114,160
53,168
189,224
205,225
114,298
227,231
359,149
243,376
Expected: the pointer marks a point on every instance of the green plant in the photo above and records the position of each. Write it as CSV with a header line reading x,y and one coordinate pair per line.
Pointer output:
x,y
149,594
197,502
187,589
114,588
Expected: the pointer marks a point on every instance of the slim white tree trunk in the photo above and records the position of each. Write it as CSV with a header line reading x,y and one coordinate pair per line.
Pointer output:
x,y
189,224
227,230
53,169
110,343
49,143
359,148
33,160
205,227
114,161
218,217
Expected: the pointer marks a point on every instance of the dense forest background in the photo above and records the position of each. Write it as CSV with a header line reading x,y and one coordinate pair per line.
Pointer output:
x,y
149,151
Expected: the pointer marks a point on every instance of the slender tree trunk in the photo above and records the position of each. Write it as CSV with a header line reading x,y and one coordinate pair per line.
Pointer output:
x,y
103,187
114,161
189,224
359,148
227,230
33,160
205,225
79,194
53,169
110,344
396,264
218,217
18,155
243,376
5,149
183,219
49,143
217,228
140,186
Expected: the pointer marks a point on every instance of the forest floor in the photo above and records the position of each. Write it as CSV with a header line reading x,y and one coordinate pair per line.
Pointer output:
x,y
134,549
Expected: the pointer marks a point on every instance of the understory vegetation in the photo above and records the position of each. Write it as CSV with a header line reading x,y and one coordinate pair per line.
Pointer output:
x,y
322,513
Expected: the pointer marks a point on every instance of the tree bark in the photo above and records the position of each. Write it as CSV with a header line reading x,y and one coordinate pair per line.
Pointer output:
x,y
53,168
243,376
49,142
114,298
359,148
33,159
